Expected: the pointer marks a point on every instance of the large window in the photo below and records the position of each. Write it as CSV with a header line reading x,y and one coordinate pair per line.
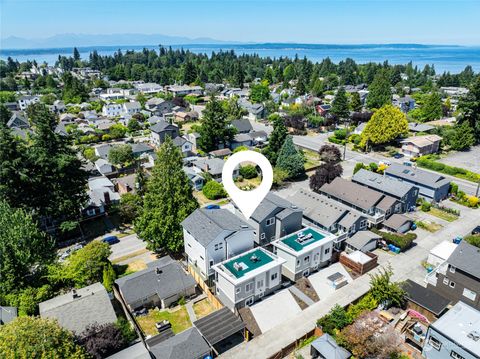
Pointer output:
x,y
248,287
455,355
470,294
274,276
435,343
270,221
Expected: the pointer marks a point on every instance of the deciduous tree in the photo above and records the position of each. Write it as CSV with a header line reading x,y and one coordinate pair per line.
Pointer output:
x,y
386,124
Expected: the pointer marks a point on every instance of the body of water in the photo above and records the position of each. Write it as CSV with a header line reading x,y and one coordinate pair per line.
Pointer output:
x,y
445,58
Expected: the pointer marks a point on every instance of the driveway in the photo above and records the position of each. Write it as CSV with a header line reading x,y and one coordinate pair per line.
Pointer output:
x,y
320,282
274,310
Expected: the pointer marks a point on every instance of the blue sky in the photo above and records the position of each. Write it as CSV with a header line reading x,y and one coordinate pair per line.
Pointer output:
x,y
334,21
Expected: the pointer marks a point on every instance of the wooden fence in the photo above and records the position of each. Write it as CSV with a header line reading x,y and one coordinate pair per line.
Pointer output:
x,y
357,267
215,302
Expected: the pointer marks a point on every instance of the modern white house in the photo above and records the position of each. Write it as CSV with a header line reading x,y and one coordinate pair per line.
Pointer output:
x,y
149,87
25,101
131,108
211,236
243,279
304,252
112,109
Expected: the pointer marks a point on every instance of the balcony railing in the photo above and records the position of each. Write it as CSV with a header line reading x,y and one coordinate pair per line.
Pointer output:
x,y
431,278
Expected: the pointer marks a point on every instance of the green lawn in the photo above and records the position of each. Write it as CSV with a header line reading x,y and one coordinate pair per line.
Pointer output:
x,y
312,159
178,317
450,217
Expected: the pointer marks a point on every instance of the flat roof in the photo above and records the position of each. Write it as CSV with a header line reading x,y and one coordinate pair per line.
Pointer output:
x,y
247,262
219,325
303,238
459,324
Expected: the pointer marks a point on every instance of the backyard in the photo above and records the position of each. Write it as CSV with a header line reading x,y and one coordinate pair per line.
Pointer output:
x,y
177,316
203,307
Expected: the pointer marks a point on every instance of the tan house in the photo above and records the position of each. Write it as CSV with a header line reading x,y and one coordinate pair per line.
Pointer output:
x,y
421,145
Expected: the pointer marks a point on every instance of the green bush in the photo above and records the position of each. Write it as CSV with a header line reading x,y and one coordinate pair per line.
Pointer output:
x,y
453,188
430,162
373,167
473,239
333,139
426,206
213,190
403,241
340,134
248,171
337,318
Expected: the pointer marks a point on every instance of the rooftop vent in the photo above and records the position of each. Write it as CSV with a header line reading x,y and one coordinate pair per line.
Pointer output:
x,y
254,258
474,335
243,226
238,266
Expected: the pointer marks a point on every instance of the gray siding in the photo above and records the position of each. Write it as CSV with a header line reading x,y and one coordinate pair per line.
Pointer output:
x,y
447,346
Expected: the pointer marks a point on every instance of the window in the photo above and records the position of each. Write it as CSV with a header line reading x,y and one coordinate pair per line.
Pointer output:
x,y
211,263
351,229
262,236
238,290
452,269
455,355
248,287
260,284
327,250
452,284
216,247
202,258
298,262
445,281
363,223
470,294
274,276
188,244
435,343
270,221
306,259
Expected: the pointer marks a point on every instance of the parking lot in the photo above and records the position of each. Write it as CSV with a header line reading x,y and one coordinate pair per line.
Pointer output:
x,y
469,160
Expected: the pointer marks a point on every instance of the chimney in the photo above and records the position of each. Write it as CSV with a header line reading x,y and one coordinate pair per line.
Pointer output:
x,y
106,196
206,167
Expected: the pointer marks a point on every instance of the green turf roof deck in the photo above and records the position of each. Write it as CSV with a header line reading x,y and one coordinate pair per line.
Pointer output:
x,y
291,240
248,263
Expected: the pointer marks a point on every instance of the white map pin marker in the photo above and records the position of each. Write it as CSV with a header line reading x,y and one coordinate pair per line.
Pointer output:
x,y
247,201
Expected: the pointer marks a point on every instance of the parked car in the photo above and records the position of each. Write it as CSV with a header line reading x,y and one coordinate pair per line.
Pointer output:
x,y
476,230
110,240
398,155
408,163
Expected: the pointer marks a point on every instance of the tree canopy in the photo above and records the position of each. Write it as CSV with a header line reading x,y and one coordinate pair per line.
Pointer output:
x,y
121,154
386,124
276,140
340,107
168,201
38,338
379,93
290,160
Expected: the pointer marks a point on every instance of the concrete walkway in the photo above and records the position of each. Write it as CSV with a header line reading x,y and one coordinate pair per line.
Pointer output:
x,y
301,295
190,311
405,266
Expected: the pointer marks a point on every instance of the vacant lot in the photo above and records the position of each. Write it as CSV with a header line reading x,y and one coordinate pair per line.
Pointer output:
x,y
177,316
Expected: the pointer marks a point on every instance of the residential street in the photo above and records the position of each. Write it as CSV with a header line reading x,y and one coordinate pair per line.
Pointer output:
x,y
352,157
405,266
127,246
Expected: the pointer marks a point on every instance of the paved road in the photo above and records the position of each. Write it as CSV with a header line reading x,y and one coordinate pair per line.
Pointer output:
x,y
405,266
127,245
352,157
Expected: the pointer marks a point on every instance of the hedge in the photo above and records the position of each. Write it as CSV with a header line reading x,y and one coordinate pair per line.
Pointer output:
x,y
213,190
403,241
430,163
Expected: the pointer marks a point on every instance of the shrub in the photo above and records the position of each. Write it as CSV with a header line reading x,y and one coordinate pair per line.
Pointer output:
x,y
248,171
473,201
373,167
337,318
403,241
213,190
473,239
367,303
453,188
426,206
340,134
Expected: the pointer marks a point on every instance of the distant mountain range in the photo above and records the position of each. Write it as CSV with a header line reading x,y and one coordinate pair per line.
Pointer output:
x,y
83,40
118,40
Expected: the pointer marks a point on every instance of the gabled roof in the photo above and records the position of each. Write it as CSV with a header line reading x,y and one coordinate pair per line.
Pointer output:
x,y
242,125
215,165
422,141
270,204
328,348
136,351
77,310
103,150
416,175
162,125
188,344
382,183
419,127
361,239
163,277
18,121
206,224
466,257
140,147
396,221
352,193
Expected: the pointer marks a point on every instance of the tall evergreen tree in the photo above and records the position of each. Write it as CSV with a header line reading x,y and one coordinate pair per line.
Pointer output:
x,y
215,129
168,201
379,91
76,54
470,108
355,102
238,74
276,140
340,104
189,73
56,186
290,160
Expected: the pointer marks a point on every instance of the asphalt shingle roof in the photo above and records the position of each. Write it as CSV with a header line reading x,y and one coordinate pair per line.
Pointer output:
x,y
424,297
161,126
416,175
466,257
206,224
76,313
188,344
328,348
382,183
242,125
170,279
362,238
269,204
